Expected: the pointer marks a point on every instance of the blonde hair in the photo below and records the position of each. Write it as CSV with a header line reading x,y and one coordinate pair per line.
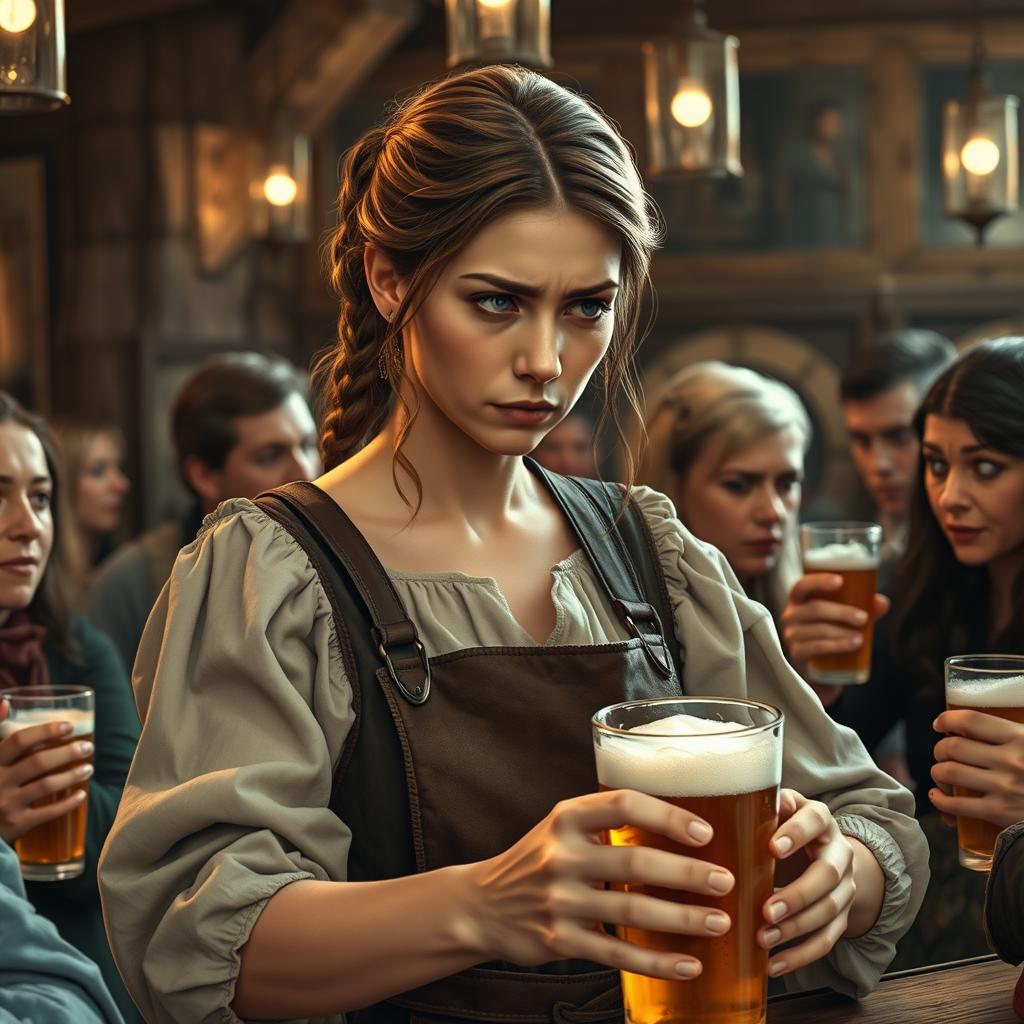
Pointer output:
x,y
713,401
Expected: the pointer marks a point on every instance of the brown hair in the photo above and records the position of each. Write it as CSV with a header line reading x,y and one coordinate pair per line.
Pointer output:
x,y
238,384
52,601
463,151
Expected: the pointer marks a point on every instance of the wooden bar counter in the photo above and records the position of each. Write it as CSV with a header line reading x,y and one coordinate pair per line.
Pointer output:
x,y
974,991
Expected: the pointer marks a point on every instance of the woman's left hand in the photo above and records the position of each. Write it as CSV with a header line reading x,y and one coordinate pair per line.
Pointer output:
x,y
985,754
817,904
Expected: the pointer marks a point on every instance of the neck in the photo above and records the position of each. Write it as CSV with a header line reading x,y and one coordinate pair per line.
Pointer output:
x,y
1002,574
90,544
458,478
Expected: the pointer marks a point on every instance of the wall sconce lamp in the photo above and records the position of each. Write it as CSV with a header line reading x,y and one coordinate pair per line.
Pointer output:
x,y
33,64
280,184
979,150
499,32
693,101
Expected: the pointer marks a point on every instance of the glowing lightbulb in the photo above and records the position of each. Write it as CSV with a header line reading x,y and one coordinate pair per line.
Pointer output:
x,y
280,187
980,155
494,3
691,106
17,15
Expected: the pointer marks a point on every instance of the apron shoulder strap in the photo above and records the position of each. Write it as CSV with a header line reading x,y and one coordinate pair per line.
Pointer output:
x,y
342,547
623,554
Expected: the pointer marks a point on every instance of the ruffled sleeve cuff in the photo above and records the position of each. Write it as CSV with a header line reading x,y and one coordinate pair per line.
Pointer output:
x,y
866,957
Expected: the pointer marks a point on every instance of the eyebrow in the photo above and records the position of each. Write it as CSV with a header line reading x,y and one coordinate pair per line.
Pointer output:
x,y
968,450
7,480
533,291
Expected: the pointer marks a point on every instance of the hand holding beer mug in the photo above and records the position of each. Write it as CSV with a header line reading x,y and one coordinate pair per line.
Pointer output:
x,y
722,760
982,758
828,620
45,765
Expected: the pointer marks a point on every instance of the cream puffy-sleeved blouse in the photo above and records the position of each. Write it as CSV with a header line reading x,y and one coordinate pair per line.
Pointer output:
x,y
246,706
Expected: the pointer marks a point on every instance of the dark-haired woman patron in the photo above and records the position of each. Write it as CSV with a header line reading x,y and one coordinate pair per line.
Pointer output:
x,y
319,823
959,590
42,642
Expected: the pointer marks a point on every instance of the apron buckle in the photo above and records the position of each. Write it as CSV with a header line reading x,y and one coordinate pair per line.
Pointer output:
x,y
663,662
418,688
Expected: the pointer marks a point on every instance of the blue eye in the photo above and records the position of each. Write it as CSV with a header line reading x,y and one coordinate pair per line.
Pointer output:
x,y
592,309
496,303
987,469
937,467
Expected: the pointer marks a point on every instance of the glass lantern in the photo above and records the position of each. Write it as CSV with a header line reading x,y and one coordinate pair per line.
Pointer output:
x,y
980,156
280,185
33,65
499,32
693,102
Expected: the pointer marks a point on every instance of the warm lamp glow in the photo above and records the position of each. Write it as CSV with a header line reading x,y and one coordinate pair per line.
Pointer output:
x,y
17,15
980,155
494,3
691,106
280,187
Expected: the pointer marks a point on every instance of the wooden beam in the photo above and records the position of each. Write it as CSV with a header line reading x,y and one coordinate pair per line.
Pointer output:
x,y
88,15
316,54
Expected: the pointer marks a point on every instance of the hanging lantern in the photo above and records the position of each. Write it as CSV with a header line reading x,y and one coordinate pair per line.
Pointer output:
x,y
32,60
280,185
979,153
693,101
499,31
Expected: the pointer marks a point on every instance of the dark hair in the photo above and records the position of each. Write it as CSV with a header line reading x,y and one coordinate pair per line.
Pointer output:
x,y
943,607
52,601
465,150
215,396
893,359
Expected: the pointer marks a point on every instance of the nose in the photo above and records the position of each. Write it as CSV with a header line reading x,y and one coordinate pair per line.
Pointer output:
x,y
881,458
540,358
954,497
770,509
121,482
24,523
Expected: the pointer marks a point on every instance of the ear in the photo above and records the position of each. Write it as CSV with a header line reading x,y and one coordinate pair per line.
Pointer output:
x,y
203,480
387,287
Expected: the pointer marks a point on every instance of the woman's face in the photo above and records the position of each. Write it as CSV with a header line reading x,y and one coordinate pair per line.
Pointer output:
x,y
507,339
976,493
102,487
745,505
26,519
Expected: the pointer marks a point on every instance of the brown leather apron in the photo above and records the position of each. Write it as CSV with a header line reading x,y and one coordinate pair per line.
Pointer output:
x,y
488,740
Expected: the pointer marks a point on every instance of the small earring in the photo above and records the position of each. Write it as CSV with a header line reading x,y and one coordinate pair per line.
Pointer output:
x,y
387,316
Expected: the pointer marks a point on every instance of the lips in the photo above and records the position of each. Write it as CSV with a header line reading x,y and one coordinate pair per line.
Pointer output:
x,y
527,413
764,546
963,534
24,567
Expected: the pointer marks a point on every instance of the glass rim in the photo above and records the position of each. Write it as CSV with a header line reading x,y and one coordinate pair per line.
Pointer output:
x,y
741,701
66,690
976,663
841,524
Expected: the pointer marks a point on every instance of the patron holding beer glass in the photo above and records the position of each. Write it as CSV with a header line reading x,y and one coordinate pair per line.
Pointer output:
x,y
959,594
57,796
727,445
316,823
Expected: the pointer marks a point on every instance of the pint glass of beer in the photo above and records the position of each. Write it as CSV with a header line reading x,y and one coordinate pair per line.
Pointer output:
x,y
54,850
849,550
722,760
993,684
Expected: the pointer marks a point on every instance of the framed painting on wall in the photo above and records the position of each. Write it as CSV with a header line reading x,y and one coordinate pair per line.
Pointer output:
x,y
24,308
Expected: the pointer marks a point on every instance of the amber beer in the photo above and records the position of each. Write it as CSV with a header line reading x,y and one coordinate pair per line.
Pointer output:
x,y
695,754
993,685
54,850
850,550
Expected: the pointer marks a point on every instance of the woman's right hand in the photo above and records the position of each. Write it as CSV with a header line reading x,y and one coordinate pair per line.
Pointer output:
x,y
26,778
813,626
546,899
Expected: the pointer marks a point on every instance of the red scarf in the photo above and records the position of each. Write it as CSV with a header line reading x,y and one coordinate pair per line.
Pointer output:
x,y
22,662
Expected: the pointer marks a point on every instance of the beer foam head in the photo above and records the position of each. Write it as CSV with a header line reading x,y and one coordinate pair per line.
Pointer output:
x,y
1007,692
81,721
839,557
689,756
